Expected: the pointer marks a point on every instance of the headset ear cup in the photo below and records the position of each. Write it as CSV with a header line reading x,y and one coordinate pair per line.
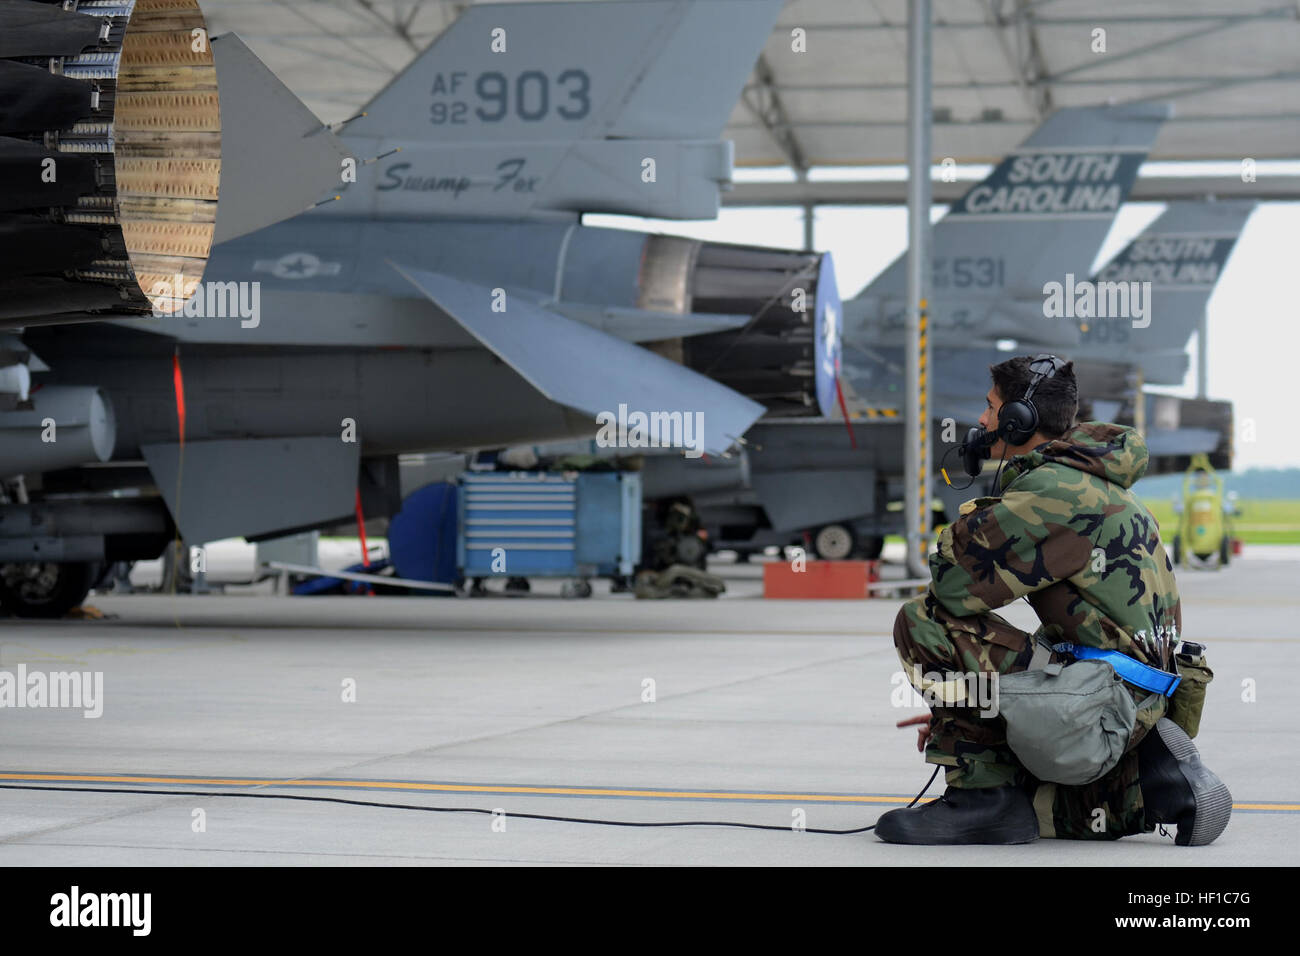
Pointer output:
x,y
1017,422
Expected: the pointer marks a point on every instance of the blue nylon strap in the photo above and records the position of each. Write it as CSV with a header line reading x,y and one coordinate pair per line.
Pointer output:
x,y
1135,672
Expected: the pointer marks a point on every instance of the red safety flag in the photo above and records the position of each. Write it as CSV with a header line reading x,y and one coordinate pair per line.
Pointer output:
x,y
839,391
365,551
179,384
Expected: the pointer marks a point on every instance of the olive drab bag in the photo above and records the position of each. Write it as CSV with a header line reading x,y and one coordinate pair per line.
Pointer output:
x,y
1067,723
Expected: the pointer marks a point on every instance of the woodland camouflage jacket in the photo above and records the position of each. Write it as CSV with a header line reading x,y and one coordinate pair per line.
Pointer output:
x,y
1070,535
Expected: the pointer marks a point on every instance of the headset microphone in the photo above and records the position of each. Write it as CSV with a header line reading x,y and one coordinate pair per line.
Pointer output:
x,y
975,450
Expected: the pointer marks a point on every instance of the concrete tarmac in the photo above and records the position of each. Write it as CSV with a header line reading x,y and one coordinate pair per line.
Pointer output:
x,y
759,711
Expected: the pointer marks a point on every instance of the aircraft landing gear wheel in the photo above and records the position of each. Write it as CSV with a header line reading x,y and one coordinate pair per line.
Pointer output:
x,y
833,542
517,586
44,588
1225,551
577,589
1178,550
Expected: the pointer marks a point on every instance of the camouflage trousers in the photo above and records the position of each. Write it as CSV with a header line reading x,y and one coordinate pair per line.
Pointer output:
x,y
973,748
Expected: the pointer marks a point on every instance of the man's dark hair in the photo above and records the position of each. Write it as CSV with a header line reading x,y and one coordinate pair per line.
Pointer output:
x,y
1056,398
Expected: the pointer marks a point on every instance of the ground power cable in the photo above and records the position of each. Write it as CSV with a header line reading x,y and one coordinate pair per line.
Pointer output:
x,y
415,806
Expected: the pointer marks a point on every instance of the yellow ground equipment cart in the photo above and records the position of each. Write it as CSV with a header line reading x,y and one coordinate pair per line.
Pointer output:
x,y
1204,536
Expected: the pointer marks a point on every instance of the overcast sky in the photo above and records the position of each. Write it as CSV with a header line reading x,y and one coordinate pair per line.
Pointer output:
x,y
1254,314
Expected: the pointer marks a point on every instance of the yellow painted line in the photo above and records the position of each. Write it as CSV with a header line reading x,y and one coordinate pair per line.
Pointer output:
x,y
480,788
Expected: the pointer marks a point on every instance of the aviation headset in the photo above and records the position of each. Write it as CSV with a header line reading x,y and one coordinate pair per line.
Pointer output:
x,y
1017,420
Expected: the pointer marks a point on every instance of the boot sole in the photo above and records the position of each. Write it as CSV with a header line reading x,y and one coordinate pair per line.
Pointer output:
x,y
1209,793
1004,838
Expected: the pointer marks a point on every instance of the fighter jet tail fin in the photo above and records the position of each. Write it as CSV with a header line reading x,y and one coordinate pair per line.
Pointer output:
x,y
1043,210
1181,254
524,72
1040,216
614,381
570,107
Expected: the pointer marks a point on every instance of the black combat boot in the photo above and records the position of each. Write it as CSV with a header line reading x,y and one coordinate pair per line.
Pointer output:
x,y
1178,789
998,815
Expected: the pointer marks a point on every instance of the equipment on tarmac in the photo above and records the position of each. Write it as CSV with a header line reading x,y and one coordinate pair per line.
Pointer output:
x,y
679,581
451,536
1204,535
422,535
672,536
541,524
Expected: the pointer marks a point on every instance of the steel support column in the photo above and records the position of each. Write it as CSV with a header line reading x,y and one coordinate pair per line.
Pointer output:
x,y
917,461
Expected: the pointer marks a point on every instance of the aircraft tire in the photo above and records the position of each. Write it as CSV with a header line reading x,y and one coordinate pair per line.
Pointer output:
x,y
834,542
45,589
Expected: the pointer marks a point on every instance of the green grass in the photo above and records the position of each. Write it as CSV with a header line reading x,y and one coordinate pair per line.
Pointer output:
x,y
1269,521
1260,522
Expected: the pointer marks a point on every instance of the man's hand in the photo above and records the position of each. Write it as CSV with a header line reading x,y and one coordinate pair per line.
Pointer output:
x,y
923,732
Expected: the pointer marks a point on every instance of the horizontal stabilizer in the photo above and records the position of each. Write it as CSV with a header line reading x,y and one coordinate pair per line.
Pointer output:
x,y
576,365
645,325
277,158
1163,368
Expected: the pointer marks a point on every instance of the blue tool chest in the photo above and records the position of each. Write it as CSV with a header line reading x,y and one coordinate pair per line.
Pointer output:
x,y
541,524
